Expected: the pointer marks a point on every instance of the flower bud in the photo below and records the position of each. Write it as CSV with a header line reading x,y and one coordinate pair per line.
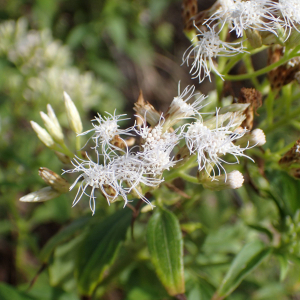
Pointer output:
x,y
52,116
145,109
233,180
255,138
52,128
72,114
54,180
43,135
254,38
44,194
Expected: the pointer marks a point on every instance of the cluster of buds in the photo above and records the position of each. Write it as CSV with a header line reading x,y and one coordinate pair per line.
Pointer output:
x,y
53,136
54,139
263,22
291,237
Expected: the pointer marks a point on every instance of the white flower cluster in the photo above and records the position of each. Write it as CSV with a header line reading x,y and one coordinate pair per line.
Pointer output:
x,y
239,16
121,170
45,68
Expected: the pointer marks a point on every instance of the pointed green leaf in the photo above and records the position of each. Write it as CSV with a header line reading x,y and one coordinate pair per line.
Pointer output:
x,y
99,248
166,249
247,259
62,236
284,265
263,230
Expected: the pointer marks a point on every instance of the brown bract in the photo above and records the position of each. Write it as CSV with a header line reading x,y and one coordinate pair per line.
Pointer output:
x,y
254,97
292,156
283,74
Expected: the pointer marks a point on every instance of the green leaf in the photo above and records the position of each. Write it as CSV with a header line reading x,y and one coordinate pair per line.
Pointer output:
x,y
166,249
61,269
99,248
263,230
246,260
284,265
8,292
62,236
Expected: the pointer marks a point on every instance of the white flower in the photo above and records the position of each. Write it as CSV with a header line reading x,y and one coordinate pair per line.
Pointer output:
x,y
180,108
290,12
204,51
157,160
130,172
157,137
122,176
106,129
211,144
97,177
241,15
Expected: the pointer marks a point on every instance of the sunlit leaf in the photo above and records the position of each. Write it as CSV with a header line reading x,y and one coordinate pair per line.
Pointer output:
x,y
166,249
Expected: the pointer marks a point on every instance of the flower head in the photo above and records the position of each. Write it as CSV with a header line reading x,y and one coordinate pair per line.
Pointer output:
x,y
204,51
97,177
211,144
158,137
180,108
241,15
290,12
106,130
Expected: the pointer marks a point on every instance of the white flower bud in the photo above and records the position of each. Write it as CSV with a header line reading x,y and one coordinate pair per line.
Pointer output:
x,y
43,134
52,115
72,114
255,138
233,180
44,194
52,128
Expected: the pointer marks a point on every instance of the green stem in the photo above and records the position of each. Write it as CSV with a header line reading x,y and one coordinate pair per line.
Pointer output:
x,y
262,71
283,121
63,149
248,63
78,143
269,107
188,178
287,93
67,151
285,149
235,59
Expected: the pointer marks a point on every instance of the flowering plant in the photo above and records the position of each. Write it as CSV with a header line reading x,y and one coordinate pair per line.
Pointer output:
x,y
197,197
